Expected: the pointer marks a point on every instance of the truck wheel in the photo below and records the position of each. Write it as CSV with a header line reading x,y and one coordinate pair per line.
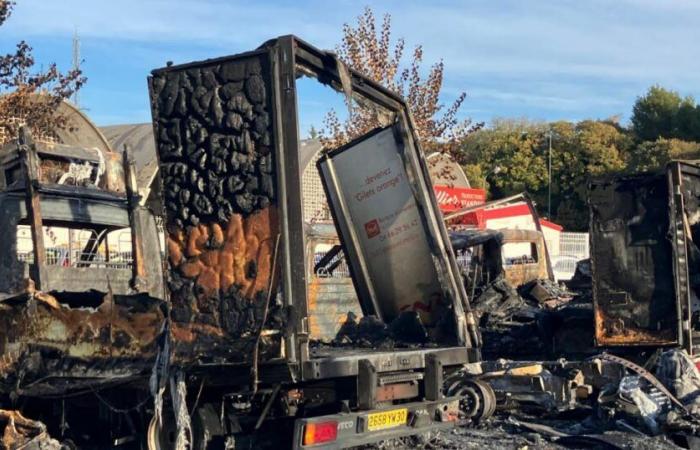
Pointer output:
x,y
163,437
478,400
207,431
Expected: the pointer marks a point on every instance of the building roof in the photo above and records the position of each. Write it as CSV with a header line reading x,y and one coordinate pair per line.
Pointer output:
x,y
79,130
139,138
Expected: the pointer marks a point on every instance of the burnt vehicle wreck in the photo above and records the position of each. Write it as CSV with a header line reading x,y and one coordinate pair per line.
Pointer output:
x,y
241,286
76,314
223,340
627,333
645,258
228,320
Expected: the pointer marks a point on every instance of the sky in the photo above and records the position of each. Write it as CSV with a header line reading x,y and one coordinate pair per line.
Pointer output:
x,y
534,59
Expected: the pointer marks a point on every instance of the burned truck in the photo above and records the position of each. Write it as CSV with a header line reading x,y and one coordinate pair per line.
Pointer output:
x,y
237,250
81,289
645,258
213,341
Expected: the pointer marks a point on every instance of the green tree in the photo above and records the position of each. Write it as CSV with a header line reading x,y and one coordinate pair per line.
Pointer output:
x,y
476,176
509,156
513,155
689,120
664,113
653,155
581,151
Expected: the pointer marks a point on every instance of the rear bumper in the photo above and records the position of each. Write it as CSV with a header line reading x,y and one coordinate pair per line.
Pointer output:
x,y
353,427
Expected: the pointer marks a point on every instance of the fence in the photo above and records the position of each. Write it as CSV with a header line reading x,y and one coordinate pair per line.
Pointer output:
x,y
573,247
574,244
78,248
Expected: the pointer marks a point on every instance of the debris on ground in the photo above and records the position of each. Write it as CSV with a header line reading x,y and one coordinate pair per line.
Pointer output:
x,y
599,402
546,292
22,433
677,371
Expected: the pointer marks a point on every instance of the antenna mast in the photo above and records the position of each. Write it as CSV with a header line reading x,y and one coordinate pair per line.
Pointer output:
x,y
76,62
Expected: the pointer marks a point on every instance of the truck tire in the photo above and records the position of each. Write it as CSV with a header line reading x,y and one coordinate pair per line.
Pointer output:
x,y
207,430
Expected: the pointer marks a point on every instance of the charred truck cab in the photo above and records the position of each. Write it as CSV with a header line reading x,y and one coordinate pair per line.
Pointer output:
x,y
81,290
244,288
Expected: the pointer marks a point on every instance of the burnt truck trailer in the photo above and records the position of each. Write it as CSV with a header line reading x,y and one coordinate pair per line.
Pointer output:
x,y
227,137
81,293
645,231
226,347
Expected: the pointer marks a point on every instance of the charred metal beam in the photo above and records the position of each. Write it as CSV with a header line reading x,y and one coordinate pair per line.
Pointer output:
x,y
137,245
30,161
286,131
433,377
366,384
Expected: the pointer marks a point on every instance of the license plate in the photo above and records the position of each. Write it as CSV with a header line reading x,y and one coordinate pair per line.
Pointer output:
x,y
387,419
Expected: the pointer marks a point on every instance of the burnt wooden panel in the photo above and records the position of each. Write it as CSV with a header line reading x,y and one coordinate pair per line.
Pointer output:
x,y
213,128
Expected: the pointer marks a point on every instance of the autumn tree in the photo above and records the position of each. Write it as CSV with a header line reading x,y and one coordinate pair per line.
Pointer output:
x,y
368,49
29,96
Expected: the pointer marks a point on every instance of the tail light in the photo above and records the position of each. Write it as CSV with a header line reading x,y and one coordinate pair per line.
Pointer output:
x,y
318,433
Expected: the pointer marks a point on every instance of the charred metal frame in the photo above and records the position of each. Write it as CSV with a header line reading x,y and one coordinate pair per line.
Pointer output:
x,y
524,197
680,235
291,58
30,163
75,205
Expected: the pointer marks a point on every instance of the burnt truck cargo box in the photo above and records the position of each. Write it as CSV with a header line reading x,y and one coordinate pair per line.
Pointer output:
x,y
227,140
644,258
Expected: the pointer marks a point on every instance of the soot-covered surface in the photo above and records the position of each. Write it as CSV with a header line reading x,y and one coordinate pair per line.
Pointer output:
x,y
214,141
633,282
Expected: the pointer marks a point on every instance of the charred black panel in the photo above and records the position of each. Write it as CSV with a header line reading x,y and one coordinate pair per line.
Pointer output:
x,y
214,136
214,139
631,256
690,189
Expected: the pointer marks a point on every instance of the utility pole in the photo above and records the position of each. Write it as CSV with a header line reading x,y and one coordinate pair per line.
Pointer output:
x,y
549,178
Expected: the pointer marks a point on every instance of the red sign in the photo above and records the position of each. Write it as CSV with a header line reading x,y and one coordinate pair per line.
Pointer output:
x,y
454,198
372,228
